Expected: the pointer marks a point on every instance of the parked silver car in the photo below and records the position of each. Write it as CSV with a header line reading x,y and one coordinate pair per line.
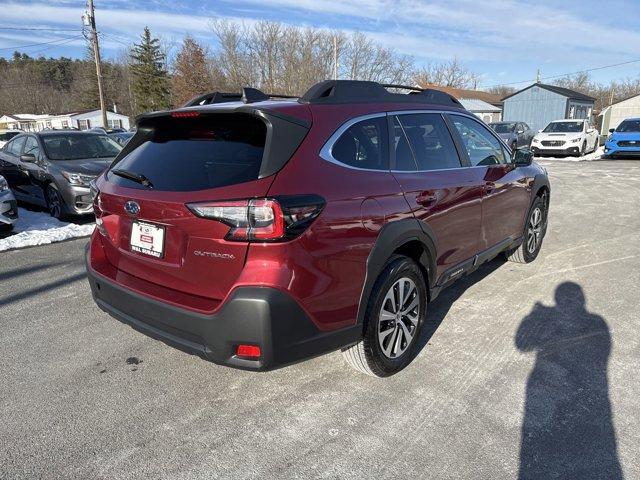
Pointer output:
x,y
53,169
8,206
514,134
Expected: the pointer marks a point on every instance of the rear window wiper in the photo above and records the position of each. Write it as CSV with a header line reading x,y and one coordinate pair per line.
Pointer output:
x,y
136,177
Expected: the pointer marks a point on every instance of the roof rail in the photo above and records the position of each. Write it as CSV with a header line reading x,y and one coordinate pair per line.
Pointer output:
x,y
248,95
359,91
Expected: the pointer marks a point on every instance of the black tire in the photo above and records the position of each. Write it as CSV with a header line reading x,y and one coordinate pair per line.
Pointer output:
x,y
385,348
583,149
5,227
530,248
55,203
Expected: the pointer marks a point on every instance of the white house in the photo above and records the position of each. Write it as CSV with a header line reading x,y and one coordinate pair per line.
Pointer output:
x,y
82,120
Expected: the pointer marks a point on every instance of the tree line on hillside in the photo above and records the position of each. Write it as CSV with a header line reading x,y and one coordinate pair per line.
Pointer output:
x,y
273,56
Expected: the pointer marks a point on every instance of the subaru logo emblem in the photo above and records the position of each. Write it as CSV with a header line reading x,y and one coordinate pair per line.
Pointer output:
x,y
132,207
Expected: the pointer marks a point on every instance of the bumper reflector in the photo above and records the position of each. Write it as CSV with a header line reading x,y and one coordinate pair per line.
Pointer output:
x,y
248,351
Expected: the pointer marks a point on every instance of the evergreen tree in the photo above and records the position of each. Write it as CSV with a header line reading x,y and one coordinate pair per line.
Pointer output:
x,y
191,75
150,81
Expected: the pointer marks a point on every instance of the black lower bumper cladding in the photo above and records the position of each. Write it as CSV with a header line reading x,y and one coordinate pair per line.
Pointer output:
x,y
261,316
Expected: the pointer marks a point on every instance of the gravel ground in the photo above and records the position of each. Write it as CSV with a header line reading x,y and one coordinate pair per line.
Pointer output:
x,y
527,371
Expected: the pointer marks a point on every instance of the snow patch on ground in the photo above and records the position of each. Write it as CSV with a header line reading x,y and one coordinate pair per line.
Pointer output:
x,y
597,155
39,228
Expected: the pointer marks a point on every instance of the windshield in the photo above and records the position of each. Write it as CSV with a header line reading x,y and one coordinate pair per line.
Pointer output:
x,y
503,127
197,154
79,146
629,126
564,127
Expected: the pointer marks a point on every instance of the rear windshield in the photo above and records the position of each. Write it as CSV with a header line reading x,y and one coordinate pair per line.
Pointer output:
x,y
564,127
79,146
6,136
629,126
188,154
503,127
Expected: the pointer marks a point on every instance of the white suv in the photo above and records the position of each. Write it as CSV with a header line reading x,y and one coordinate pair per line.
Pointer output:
x,y
566,137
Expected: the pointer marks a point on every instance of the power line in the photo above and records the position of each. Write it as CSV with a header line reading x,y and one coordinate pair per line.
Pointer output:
x,y
60,40
551,77
43,29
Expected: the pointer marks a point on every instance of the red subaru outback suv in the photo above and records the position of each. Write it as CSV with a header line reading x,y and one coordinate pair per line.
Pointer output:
x,y
257,232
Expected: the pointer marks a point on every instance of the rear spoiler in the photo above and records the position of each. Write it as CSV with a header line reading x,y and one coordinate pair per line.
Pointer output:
x,y
285,133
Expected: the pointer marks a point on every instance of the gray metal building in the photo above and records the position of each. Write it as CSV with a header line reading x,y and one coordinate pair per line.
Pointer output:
x,y
539,104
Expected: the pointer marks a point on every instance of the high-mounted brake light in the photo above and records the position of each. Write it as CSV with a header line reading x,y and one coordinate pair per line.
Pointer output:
x,y
263,219
185,114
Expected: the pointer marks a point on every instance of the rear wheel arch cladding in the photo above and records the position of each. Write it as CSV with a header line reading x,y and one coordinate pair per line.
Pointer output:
x,y
391,240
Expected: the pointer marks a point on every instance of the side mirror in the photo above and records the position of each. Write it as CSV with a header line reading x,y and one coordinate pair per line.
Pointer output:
x,y
591,130
28,158
540,131
523,157
611,130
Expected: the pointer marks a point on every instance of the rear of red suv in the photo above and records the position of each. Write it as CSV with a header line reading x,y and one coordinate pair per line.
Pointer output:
x,y
230,230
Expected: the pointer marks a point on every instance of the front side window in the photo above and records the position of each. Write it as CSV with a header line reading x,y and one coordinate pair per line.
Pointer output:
x,y
31,147
364,145
430,141
482,147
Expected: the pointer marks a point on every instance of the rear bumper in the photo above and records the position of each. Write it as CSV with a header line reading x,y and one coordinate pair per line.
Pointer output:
x,y
261,316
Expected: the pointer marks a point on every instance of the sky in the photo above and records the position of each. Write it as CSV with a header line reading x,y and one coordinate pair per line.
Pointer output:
x,y
504,41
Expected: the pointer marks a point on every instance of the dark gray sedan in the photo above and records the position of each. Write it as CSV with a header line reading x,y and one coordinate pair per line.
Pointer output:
x,y
53,169
514,134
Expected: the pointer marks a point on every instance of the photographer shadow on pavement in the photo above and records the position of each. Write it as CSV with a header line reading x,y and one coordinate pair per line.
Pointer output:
x,y
567,431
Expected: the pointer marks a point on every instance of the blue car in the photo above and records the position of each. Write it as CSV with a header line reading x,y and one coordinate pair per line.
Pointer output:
x,y
624,141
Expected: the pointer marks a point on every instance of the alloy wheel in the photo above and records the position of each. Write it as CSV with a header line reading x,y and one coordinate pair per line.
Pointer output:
x,y
55,204
398,319
534,230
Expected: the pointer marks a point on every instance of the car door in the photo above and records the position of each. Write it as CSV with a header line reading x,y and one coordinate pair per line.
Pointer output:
x,y
528,135
506,188
33,170
12,170
592,135
441,191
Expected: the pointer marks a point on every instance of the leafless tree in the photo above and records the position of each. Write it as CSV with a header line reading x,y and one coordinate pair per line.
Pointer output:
x,y
447,74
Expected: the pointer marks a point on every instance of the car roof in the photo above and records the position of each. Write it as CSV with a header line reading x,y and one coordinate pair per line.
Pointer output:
x,y
577,120
53,133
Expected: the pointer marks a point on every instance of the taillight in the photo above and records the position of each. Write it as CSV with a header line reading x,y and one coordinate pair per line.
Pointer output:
x,y
97,206
263,219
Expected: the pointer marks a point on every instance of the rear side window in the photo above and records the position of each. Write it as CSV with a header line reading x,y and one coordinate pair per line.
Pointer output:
x,y
483,148
6,136
364,145
430,141
189,154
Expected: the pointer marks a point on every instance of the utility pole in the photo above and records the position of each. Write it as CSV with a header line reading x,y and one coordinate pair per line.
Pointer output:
x,y
91,17
538,77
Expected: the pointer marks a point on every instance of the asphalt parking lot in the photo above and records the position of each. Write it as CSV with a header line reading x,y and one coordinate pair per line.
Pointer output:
x,y
527,371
